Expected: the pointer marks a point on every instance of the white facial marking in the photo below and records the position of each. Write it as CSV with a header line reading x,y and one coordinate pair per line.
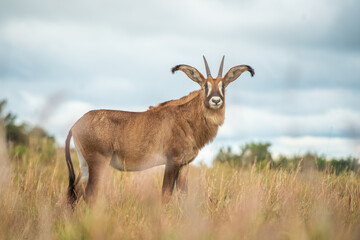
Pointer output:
x,y
209,88
215,102
220,89
83,166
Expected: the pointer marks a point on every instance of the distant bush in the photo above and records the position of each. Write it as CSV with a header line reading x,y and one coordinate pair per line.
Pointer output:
x,y
22,140
339,165
250,154
259,154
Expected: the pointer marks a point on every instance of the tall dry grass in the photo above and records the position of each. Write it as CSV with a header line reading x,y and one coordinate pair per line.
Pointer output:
x,y
223,203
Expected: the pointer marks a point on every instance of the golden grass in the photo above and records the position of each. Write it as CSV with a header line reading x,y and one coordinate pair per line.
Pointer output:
x,y
223,203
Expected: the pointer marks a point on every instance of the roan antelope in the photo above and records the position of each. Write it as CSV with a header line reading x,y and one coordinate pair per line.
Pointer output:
x,y
172,133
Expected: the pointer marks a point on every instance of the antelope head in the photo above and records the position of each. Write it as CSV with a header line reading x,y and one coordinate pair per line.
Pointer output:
x,y
214,88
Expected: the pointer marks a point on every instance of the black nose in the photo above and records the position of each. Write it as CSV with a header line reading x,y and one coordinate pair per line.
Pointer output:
x,y
216,101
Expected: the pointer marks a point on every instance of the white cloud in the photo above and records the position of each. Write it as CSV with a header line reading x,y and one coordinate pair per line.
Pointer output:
x,y
246,121
331,147
30,109
56,117
34,102
109,86
64,117
206,155
296,101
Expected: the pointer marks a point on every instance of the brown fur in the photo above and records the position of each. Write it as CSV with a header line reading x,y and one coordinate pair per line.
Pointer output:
x,y
177,102
171,133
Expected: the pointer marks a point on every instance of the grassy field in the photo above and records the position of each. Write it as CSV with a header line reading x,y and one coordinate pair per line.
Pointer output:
x,y
223,203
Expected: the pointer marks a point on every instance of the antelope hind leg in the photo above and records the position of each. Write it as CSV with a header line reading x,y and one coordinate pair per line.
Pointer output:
x,y
97,167
80,185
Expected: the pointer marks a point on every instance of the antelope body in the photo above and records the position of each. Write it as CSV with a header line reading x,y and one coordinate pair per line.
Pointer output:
x,y
171,133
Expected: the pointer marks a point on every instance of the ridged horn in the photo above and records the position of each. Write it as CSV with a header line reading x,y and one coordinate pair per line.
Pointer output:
x,y
207,67
221,67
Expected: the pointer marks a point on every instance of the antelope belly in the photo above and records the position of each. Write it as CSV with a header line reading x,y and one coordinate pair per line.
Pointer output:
x,y
137,165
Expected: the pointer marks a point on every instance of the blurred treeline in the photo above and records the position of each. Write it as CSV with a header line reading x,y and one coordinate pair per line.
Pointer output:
x,y
259,155
23,140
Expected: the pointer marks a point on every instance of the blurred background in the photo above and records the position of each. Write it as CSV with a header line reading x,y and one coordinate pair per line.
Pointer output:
x,y
59,60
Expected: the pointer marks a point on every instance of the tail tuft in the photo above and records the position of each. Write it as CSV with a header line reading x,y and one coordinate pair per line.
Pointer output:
x,y
71,194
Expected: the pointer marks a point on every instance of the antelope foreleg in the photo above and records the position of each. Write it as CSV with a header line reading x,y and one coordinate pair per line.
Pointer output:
x,y
182,179
170,176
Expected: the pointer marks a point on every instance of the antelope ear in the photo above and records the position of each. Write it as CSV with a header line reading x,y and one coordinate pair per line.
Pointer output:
x,y
191,72
235,72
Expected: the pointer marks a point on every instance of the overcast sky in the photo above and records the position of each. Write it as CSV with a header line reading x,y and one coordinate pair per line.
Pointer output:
x,y
59,60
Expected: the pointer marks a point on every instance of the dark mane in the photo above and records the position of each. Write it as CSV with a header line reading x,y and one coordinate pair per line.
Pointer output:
x,y
177,102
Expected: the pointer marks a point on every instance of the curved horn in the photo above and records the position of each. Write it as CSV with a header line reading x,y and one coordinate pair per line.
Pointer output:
x,y
207,67
221,67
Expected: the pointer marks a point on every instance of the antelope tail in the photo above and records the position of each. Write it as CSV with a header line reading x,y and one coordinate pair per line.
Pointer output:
x,y
71,188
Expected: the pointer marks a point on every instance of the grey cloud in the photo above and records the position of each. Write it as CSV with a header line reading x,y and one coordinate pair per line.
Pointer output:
x,y
345,34
305,54
295,101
